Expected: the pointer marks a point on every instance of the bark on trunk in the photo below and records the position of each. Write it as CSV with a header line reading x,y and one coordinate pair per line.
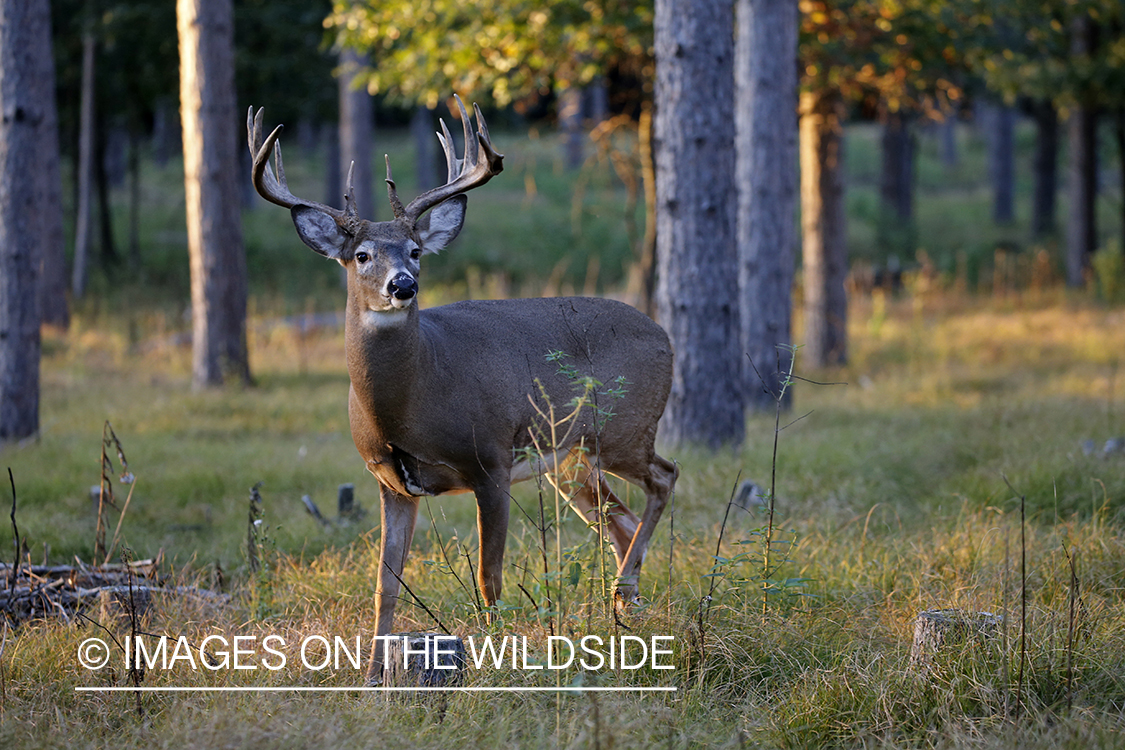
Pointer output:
x,y
357,131
767,177
697,286
1046,169
25,87
823,229
218,261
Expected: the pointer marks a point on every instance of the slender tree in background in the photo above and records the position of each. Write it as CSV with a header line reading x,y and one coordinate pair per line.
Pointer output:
x,y
897,230
26,85
218,261
1000,137
697,280
357,134
53,307
823,229
570,117
83,220
767,169
1045,167
1082,172
426,165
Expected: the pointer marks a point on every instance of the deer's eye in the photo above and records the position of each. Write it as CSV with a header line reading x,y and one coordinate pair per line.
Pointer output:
x,y
362,257
416,253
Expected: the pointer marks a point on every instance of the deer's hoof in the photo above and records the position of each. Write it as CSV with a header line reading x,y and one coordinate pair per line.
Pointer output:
x,y
625,598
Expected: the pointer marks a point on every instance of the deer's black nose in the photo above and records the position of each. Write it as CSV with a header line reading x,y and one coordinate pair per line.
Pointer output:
x,y
403,286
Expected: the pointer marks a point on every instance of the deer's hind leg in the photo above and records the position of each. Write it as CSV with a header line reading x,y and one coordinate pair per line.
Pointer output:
x,y
658,485
621,523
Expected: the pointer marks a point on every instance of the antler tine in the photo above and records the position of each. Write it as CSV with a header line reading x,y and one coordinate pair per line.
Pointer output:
x,y
453,164
349,194
392,193
467,125
464,174
495,158
269,185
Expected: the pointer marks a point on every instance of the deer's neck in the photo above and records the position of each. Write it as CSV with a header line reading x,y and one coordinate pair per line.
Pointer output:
x,y
383,352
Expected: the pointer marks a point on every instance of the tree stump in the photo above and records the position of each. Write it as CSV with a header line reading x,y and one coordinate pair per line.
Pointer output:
x,y
345,500
423,660
751,496
936,629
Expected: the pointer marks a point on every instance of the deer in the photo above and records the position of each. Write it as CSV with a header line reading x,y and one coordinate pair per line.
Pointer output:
x,y
448,399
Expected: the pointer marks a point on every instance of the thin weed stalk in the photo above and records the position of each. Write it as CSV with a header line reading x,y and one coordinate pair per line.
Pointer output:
x,y
779,402
1072,614
15,536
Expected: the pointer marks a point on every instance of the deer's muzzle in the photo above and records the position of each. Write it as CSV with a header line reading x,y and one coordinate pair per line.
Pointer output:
x,y
402,287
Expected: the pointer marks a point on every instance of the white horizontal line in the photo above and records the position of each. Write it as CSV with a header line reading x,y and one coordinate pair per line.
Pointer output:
x,y
373,689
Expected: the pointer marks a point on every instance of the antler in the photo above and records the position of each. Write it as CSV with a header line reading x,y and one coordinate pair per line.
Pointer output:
x,y
272,186
480,164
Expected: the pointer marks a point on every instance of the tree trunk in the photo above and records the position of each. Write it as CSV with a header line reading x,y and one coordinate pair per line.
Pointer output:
x,y
218,261
1119,133
1081,227
896,231
107,246
425,149
26,87
570,125
166,133
357,135
332,179
767,177
597,101
134,199
948,135
697,285
1046,169
1001,163
823,229
85,169
53,307
647,260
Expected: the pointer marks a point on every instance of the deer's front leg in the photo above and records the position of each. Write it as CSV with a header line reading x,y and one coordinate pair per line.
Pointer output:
x,y
492,529
399,515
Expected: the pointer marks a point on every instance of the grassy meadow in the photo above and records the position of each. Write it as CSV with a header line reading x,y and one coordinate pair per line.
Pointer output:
x,y
898,490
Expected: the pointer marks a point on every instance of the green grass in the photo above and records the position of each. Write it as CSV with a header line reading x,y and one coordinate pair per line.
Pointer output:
x,y
892,488
891,496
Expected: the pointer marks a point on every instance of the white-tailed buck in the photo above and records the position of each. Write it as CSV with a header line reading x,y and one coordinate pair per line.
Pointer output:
x,y
447,400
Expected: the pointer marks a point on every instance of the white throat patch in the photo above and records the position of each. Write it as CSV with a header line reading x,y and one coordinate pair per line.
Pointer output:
x,y
385,318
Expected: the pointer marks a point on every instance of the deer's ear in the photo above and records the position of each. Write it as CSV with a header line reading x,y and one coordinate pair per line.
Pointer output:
x,y
442,224
319,231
